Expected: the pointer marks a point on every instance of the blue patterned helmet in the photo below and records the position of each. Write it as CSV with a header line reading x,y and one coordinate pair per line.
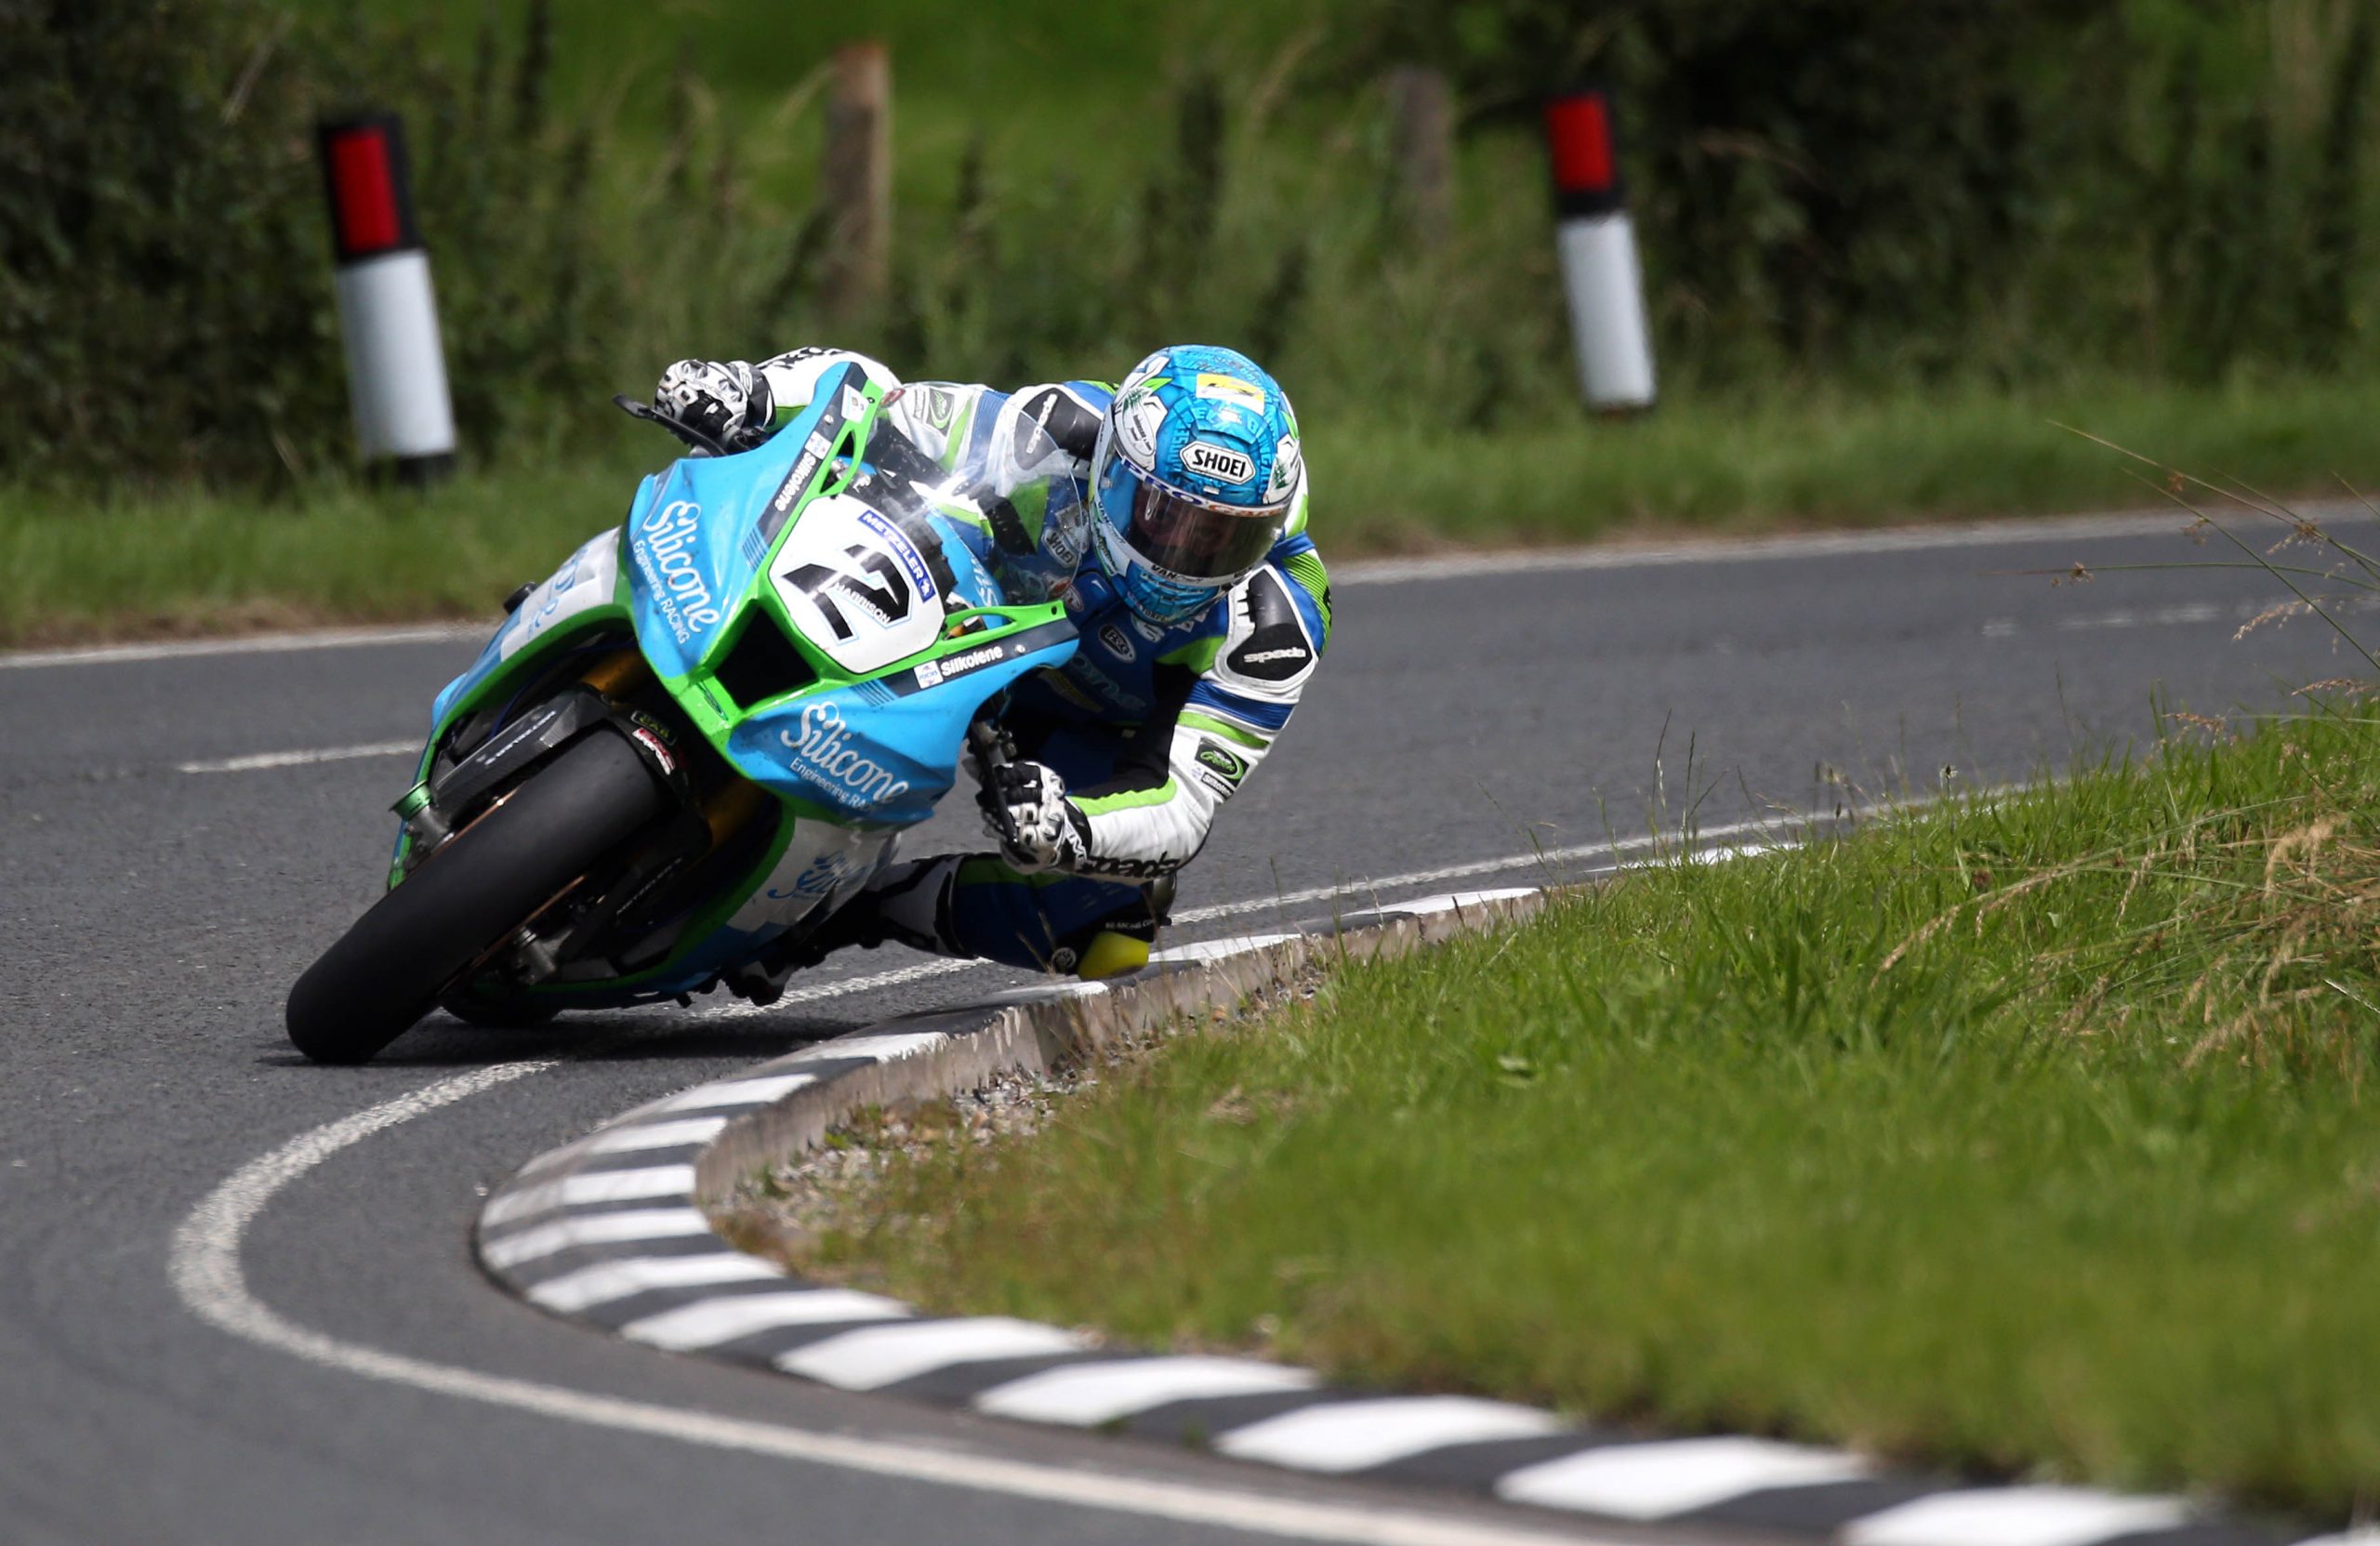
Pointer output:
x,y
1196,470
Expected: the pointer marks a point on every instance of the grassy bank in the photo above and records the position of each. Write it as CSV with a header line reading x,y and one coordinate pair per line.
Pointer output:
x,y
2029,1138
75,568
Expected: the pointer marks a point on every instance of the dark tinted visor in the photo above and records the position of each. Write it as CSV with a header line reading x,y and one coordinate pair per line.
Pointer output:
x,y
1187,537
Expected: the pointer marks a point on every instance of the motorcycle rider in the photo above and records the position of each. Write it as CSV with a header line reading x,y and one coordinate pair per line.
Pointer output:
x,y
1176,537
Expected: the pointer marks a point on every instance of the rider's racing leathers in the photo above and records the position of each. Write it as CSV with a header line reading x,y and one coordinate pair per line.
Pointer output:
x,y
1151,727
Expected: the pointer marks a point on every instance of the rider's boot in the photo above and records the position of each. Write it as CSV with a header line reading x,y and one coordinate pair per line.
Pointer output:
x,y
1123,946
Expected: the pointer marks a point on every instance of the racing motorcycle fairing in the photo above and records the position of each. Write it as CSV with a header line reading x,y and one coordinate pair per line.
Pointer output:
x,y
808,620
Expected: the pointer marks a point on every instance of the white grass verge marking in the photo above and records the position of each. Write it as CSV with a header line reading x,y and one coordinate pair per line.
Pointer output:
x,y
1090,1395
595,1186
205,1270
261,760
707,1323
736,1093
631,1139
2015,1516
1653,1481
885,1047
1356,1436
883,1356
593,1229
606,1281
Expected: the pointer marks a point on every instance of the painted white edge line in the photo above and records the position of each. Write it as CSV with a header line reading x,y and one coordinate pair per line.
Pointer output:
x,y
1451,566
256,761
1352,891
257,644
1889,539
209,1278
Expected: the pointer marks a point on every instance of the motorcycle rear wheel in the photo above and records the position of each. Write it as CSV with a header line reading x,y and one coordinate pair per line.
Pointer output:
x,y
389,970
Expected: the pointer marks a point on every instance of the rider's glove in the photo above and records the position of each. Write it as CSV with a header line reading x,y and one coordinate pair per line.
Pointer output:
x,y
727,400
1026,812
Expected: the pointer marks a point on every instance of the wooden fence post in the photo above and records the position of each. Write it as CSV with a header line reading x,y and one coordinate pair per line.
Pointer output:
x,y
1421,113
857,183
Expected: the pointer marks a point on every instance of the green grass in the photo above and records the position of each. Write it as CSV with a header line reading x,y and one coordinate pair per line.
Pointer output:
x,y
2028,1137
72,567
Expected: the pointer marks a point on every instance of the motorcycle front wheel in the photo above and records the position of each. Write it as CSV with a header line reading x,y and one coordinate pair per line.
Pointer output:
x,y
470,895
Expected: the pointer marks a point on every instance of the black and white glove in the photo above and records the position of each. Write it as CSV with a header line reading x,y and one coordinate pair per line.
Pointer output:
x,y
727,400
1026,812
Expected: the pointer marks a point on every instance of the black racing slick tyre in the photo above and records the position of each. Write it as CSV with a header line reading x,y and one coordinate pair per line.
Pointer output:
x,y
388,971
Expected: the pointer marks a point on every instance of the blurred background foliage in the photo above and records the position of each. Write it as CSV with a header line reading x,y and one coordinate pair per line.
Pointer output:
x,y
1856,197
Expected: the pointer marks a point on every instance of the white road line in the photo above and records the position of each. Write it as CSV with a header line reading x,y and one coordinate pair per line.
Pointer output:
x,y
206,1274
2179,615
259,761
606,1281
1220,949
708,1322
1088,1394
1546,858
2015,1516
593,1229
882,1355
1653,1481
257,644
1894,539
1356,1436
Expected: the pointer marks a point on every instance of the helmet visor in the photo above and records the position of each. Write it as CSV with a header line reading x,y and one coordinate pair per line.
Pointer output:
x,y
1182,534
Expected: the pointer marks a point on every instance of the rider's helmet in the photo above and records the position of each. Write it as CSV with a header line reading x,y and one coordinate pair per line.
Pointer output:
x,y
1195,473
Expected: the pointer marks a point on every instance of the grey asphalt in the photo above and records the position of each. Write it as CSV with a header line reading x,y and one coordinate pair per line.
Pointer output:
x,y
150,921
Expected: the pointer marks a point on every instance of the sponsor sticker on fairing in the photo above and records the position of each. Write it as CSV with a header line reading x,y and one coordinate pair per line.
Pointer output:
x,y
1224,464
933,673
813,451
898,543
662,545
823,758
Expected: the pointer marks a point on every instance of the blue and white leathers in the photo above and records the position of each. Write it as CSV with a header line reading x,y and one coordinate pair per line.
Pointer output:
x,y
1152,725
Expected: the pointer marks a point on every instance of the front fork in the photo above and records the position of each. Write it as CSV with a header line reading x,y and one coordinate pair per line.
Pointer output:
x,y
604,695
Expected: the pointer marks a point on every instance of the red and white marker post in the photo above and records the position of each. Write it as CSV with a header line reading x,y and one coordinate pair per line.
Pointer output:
x,y
1598,244
396,366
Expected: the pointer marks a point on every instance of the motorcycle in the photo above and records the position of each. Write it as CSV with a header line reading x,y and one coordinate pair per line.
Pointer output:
x,y
701,735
